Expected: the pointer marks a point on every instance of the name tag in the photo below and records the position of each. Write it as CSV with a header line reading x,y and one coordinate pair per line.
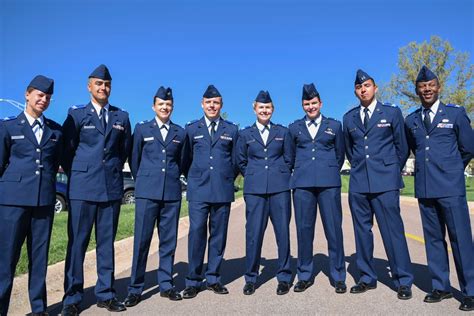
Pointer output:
x,y
88,127
53,139
147,139
279,138
444,125
352,130
119,127
18,137
176,141
198,137
250,141
384,125
329,132
226,137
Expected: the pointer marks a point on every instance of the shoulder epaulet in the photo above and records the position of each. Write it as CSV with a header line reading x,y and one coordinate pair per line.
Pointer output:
x,y
390,105
332,119
77,107
227,121
191,122
354,109
450,105
143,122
8,118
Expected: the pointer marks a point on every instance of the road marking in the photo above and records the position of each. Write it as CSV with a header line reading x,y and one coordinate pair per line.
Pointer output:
x,y
420,239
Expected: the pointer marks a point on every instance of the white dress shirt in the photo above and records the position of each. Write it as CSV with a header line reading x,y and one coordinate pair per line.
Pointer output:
x,y
312,129
432,112
37,129
371,108
164,130
264,132
98,108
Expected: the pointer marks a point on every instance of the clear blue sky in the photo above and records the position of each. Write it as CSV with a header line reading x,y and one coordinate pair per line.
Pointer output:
x,y
239,46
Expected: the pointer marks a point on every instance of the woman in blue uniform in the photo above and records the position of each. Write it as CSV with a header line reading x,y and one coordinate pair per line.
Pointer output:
x,y
265,158
30,145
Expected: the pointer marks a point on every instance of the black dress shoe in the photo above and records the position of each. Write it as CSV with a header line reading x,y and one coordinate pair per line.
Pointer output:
x,y
301,286
404,292
112,305
340,287
172,294
249,288
362,287
132,300
40,314
283,288
190,292
70,310
467,304
437,296
218,288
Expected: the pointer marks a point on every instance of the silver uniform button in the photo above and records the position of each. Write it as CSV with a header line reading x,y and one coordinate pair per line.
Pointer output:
x,y
313,158
163,170
211,167
367,156
37,172
38,150
37,161
266,167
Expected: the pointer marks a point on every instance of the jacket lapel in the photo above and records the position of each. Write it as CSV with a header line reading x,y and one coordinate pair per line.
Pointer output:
x,y
46,133
439,116
375,117
155,130
220,130
322,127
273,132
26,129
113,115
171,134
257,135
204,130
303,129
357,121
94,117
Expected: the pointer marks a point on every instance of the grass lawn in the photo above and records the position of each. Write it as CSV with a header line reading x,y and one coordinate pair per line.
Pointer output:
x,y
58,246
409,189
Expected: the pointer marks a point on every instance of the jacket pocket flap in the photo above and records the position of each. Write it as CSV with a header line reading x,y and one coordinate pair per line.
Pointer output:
x,y
11,177
79,166
390,160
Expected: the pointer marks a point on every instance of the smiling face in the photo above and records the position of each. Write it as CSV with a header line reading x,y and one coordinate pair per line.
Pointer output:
x,y
163,109
312,107
212,107
99,90
263,111
36,102
365,92
428,92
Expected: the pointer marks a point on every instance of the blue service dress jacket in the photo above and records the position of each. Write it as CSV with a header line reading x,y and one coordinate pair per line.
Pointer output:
x,y
156,163
266,167
94,157
318,160
377,154
28,169
203,157
442,152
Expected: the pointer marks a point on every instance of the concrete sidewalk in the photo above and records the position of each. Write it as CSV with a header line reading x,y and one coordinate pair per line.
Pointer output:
x,y
265,301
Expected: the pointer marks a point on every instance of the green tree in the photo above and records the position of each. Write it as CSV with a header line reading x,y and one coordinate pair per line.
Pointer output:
x,y
452,67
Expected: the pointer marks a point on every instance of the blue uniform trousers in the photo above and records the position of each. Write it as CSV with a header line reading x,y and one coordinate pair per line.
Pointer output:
x,y
306,202
165,215
453,213
82,216
259,207
17,223
218,215
386,207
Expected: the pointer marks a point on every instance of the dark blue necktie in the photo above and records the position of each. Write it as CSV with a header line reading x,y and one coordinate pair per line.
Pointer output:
x,y
103,121
213,129
427,119
366,117
312,122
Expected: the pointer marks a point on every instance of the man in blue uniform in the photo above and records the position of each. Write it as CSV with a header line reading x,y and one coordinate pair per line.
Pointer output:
x,y
97,141
443,142
156,167
377,149
210,170
265,159
30,147
319,143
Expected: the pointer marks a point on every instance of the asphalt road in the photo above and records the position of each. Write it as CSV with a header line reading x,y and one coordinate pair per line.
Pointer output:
x,y
318,299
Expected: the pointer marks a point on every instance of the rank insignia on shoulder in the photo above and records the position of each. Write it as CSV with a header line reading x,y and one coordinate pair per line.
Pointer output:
x,y
76,107
191,122
8,118
453,105
143,122
390,105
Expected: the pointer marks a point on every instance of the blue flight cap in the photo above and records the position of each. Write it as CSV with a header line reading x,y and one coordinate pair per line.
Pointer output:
x,y
425,74
164,93
263,97
361,77
211,92
101,72
309,92
43,84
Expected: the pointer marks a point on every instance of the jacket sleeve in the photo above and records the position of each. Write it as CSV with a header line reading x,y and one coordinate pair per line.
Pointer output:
x,y
411,141
400,139
4,148
187,152
289,150
70,142
126,142
339,146
136,151
241,158
234,152
347,140
465,137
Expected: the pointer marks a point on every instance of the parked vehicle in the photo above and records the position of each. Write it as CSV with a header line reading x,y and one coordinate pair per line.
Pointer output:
x,y
61,192
345,172
128,188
